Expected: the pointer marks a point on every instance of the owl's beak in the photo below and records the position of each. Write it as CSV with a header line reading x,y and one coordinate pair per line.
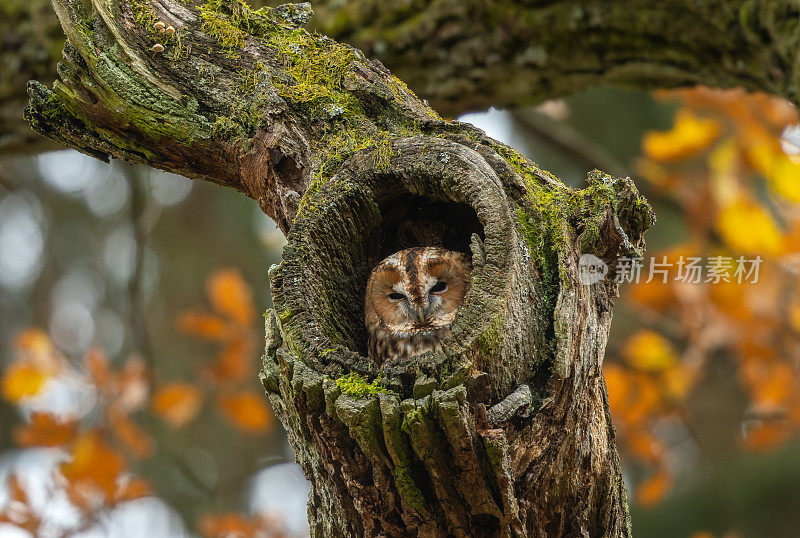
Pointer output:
x,y
421,312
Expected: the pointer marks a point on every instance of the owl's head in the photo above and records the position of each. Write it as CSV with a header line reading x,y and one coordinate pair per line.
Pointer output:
x,y
417,290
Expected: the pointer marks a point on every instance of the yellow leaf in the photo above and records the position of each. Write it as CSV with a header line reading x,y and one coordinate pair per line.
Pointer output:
x,y
231,296
35,342
648,350
247,411
784,178
748,228
177,403
20,381
678,380
689,136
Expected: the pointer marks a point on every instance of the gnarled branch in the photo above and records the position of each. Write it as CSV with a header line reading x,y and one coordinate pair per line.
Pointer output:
x,y
343,156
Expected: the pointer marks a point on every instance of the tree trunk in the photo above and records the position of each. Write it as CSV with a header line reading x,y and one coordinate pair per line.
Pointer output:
x,y
504,432
465,55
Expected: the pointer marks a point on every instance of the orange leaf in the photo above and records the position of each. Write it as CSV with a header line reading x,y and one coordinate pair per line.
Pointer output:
x,y
97,365
132,435
764,436
93,466
617,384
231,295
45,429
177,403
651,491
644,446
21,380
247,411
227,525
134,488
234,362
202,324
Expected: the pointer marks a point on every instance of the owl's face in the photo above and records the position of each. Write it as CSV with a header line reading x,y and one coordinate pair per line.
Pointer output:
x,y
411,300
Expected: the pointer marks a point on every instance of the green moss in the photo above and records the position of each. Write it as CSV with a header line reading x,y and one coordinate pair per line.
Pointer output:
x,y
408,490
488,342
356,386
225,127
228,22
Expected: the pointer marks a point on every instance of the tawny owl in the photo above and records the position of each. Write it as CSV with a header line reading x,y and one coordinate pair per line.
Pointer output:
x,y
411,300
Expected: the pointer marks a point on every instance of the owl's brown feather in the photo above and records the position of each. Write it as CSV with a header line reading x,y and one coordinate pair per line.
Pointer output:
x,y
411,300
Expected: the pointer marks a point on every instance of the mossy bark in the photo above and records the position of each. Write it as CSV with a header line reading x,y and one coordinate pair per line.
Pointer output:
x,y
504,432
466,55
472,54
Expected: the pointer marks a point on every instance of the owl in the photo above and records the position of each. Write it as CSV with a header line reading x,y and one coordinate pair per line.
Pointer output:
x,y
411,300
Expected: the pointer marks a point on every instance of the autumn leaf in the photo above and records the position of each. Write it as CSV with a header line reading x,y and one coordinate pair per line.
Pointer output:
x,y
644,445
35,344
202,324
617,385
45,429
177,403
748,228
132,436
652,491
765,436
234,363
689,136
133,488
93,466
99,370
648,350
247,411
21,380
227,525
231,296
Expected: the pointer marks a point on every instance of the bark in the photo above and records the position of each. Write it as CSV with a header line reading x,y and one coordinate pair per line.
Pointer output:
x,y
472,54
465,55
505,432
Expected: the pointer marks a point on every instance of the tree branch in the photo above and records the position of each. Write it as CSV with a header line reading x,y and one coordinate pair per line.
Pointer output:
x,y
465,55
353,167
244,99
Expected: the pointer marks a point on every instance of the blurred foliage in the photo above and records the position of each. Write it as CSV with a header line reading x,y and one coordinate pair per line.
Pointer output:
x,y
145,389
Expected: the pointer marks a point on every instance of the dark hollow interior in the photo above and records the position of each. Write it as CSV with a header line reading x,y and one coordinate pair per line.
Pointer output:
x,y
420,221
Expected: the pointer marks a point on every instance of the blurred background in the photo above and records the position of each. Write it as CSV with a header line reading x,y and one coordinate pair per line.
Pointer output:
x,y
131,330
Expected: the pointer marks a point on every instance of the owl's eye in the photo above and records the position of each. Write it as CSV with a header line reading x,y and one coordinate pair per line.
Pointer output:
x,y
396,296
439,287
